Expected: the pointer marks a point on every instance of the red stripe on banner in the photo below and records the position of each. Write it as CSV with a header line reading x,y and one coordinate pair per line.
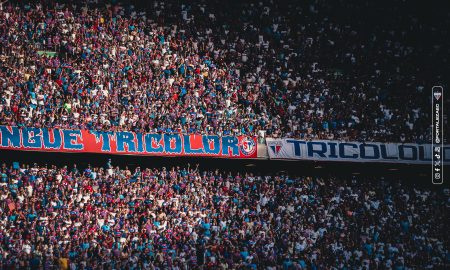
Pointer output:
x,y
84,141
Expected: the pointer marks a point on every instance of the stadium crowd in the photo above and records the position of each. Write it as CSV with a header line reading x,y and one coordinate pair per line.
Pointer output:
x,y
183,218
304,70
311,70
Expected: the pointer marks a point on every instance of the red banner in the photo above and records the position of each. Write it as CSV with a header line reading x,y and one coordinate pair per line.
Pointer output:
x,y
126,143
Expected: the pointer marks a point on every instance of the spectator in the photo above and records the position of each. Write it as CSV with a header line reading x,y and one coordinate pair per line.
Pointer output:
x,y
265,69
183,217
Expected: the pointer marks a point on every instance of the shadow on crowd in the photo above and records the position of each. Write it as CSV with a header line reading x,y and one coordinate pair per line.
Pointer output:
x,y
418,174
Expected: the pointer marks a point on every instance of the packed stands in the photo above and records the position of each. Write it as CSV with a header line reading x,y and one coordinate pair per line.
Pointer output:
x,y
348,72
185,217
271,68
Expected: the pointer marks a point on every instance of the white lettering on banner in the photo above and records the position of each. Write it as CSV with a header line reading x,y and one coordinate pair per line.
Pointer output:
x,y
352,151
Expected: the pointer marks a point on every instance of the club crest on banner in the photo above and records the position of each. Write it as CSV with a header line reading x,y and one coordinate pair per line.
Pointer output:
x,y
247,146
275,147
